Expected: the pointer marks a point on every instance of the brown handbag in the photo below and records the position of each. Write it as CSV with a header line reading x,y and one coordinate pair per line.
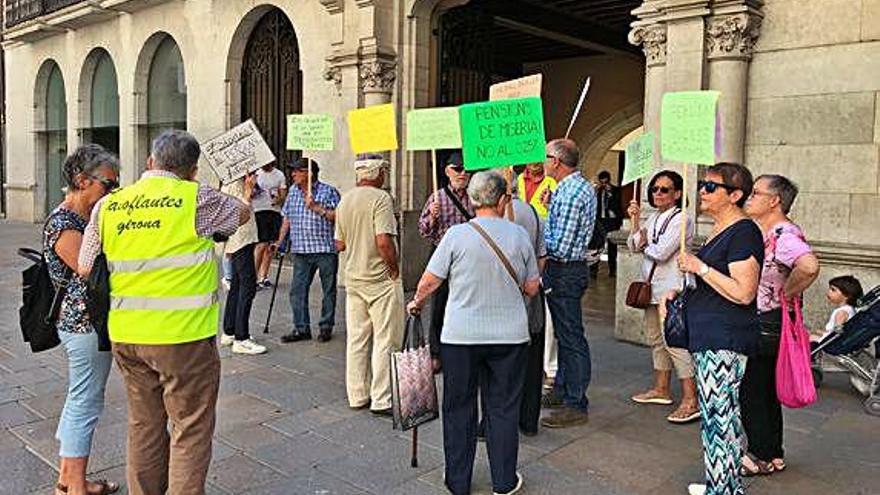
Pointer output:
x,y
638,295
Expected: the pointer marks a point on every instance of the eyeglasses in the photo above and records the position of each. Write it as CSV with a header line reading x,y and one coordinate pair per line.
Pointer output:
x,y
456,168
660,189
107,184
710,186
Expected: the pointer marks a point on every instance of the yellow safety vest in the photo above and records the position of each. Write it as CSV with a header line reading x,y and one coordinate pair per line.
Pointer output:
x,y
163,276
536,198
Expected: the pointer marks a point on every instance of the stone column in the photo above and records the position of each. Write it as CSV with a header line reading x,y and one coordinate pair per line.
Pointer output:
x,y
730,40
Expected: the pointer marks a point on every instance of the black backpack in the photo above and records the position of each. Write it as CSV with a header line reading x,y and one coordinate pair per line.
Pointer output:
x,y
41,302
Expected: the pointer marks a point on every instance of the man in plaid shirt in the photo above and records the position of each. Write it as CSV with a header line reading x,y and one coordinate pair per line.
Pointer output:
x,y
569,227
441,213
309,218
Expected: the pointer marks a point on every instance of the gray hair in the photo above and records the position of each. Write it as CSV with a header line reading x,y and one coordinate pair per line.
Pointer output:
x,y
85,160
566,150
176,151
782,187
486,188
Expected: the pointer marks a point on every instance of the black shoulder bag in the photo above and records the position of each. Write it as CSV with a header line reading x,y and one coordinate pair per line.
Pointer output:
x,y
41,302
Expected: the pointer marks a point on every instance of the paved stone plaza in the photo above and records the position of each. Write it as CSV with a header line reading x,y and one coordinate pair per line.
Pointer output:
x,y
284,426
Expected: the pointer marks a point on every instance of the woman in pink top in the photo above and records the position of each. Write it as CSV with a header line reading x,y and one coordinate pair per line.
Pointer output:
x,y
789,268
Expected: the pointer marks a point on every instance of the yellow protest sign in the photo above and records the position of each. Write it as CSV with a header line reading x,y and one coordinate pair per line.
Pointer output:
x,y
372,129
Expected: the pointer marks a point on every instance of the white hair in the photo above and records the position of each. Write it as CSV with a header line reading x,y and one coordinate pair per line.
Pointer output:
x,y
486,188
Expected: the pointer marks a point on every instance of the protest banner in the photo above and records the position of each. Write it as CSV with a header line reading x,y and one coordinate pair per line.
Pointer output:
x,y
688,127
502,133
372,129
237,151
310,132
433,129
524,87
639,157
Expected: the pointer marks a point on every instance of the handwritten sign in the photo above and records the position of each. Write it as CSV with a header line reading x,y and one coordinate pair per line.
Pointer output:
x,y
237,151
688,126
502,133
639,158
523,87
372,129
312,132
433,129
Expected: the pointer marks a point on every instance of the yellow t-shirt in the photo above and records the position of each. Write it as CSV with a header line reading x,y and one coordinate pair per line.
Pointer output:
x,y
363,213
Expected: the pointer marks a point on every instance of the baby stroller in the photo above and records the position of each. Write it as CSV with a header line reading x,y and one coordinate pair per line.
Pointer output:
x,y
855,347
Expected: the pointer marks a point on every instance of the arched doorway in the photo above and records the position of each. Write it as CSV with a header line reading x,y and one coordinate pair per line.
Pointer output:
x,y
52,132
161,77
271,79
101,106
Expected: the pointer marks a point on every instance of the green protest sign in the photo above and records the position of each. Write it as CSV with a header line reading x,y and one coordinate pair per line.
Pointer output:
x,y
639,158
311,132
433,129
688,127
502,133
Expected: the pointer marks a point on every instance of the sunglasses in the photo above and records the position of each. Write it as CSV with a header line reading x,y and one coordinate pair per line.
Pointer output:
x,y
107,184
660,189
456,168
710,186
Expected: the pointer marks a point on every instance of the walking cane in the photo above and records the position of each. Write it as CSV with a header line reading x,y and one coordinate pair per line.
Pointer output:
x,y
281,252
414,461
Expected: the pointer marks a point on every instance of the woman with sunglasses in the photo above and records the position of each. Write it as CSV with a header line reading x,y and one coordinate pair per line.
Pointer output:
x,y
90,172
722,323
658,240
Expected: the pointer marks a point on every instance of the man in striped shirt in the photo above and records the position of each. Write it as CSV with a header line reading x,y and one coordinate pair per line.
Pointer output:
x,y
570,221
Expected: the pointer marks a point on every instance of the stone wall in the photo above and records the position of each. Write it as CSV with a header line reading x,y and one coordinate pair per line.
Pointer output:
x,y
814,116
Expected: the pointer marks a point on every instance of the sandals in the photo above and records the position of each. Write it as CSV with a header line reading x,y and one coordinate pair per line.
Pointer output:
x,y
104,487
756,467
684,414
652,397
778,464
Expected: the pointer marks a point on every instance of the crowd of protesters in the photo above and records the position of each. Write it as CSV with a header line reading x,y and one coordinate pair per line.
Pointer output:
x,y
505,284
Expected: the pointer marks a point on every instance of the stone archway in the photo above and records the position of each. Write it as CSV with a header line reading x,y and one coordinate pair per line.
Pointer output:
x,y
99,100
50,135
601,138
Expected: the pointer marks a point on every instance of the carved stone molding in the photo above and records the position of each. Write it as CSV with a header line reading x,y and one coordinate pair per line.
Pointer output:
x,y
333,6
732,37
653,42
333,73
378,76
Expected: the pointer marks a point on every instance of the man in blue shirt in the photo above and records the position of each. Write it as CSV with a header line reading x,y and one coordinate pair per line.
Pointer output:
x,y
309,218
570,221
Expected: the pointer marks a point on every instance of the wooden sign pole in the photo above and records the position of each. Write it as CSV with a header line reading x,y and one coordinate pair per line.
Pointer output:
x,y
684,210
309,190
508,174
434,171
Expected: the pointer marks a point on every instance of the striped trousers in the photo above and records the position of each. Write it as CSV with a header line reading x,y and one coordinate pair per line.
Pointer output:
x,y
719,374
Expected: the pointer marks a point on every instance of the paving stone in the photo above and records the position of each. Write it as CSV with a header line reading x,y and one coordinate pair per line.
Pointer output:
x,y
239,473
21,471
301,452
11,394
312,482
13,414
251,437
304,421
238,410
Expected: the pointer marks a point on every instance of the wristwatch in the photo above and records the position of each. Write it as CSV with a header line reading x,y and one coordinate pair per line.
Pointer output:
x,y
704,270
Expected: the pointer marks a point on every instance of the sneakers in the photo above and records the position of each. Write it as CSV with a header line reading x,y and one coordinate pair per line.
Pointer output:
x,y
264,284
247,347
227,283
565,417
516,488
696,489
226,340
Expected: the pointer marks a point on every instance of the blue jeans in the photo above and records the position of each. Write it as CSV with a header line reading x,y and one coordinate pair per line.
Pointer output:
x,y
304,268
88,369
566,283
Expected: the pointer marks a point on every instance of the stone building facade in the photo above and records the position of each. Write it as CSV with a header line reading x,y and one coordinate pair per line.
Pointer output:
x,y
800,83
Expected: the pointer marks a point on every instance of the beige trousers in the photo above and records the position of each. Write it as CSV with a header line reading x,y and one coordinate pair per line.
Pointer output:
x,y
666,358
174,384
374,317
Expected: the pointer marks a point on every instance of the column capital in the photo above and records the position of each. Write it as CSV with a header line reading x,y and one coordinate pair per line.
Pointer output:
x,y
334,64
652,38
732,37
377,75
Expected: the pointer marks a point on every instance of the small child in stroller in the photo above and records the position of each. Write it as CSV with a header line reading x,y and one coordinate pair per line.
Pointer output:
x,y
843,292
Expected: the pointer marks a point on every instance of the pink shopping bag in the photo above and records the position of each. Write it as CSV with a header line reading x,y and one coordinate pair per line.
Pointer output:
x,y
794,379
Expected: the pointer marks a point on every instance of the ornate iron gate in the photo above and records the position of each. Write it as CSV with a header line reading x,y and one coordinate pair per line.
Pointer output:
x,y
271,80
469,60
